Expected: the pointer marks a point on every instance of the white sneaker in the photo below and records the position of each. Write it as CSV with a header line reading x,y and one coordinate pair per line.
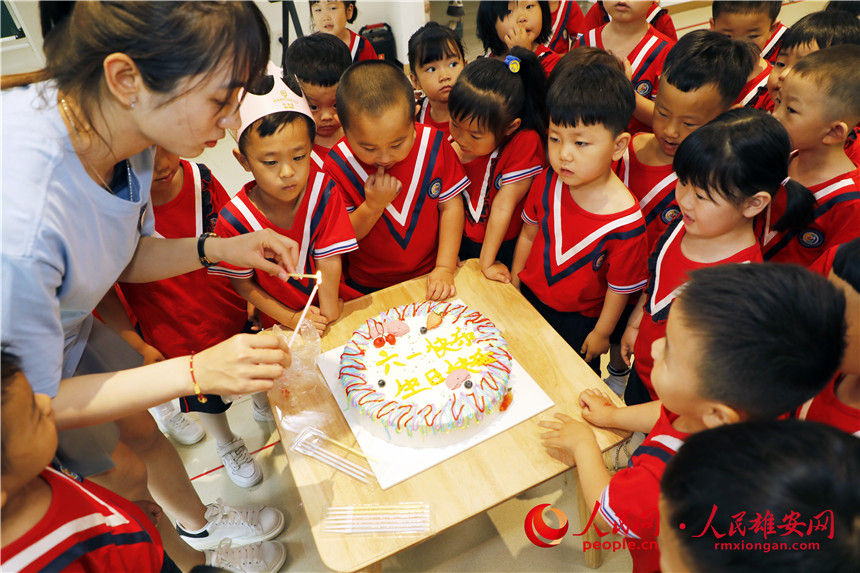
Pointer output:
x,y
267,556
240,466
263,414
181,427
240,525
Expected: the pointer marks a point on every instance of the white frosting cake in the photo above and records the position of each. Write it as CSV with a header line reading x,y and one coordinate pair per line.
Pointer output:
x,y
426,374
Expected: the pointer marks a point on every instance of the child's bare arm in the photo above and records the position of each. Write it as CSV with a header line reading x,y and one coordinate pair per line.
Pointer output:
x,y
644,110
628,339
522,250
599,410
113,314
597,341
330,267
504,205
380,189
440,282
573,442
251,291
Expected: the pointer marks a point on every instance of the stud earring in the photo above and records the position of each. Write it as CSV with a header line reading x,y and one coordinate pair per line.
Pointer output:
x,y
132,102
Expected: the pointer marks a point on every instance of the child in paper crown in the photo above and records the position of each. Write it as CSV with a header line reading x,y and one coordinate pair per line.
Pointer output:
x,y
288,194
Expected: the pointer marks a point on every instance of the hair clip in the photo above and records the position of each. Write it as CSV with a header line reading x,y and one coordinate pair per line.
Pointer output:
x,y
784,181
513,63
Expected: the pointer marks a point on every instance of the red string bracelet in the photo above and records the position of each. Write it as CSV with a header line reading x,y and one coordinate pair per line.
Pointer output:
x,y
200,396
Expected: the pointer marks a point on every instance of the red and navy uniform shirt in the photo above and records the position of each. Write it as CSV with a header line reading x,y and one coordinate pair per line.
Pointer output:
x,y
836,221
402,244
630,502
755,94
668,271
423,116
654,188
521,158
321,228
318,155
852,146
824,264
828,409
658,17
191,312
578,255
646,61
360,48
566,25
86,528
771,49
547,58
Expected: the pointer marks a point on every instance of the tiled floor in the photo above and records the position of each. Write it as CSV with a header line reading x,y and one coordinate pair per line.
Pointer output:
x,y
493,541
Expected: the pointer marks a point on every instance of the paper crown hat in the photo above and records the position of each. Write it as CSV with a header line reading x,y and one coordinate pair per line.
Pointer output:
x,y
279,98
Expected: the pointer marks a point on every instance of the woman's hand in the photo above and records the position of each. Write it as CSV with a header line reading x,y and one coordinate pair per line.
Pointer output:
x,y
243,364
265,250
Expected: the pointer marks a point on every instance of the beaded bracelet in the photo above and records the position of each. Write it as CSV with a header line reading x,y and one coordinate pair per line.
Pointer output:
x,y
200,396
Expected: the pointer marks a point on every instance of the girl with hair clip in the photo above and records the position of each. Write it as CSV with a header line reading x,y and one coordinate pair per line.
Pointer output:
x,y
728,172
498,126
436,59
78,147
332,18
525,24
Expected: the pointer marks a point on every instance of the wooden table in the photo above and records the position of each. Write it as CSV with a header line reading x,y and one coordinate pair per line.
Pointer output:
x,y
497,469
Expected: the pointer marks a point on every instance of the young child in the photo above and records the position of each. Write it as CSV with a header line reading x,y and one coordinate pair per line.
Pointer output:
x,y
811,33
436,59
728,170
584,56
722,488
332,18
819,103
526,24
839,403
708,372
317,61
288,194
398,180
582,250
630,38
702,76
658,17
52,521
754,22
497,122
191,312
566,17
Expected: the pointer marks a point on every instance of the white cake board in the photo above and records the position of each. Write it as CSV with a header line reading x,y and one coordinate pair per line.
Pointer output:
x,y
394,464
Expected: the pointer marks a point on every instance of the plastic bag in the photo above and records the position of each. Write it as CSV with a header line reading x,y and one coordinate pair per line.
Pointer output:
x,y
301,379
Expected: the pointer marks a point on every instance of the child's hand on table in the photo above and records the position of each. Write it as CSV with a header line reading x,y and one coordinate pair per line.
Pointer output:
x,y
381,189
314,317
497,272
564,436
440,284
597,408
595,345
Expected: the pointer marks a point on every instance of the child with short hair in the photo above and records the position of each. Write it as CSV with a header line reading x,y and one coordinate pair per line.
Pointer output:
x,y
317,61
708,372
497,122
839,403
811,33
752,21
584,56
527,24
436,59
400,182
720,490
332,17
582,249
819,105
630,38
658,17
728,171
566,17
290,195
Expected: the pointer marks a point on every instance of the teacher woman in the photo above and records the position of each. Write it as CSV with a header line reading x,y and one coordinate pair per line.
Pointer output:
x,y
77,158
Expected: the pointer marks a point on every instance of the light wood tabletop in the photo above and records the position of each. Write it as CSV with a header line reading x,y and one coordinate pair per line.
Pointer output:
x,y
469,483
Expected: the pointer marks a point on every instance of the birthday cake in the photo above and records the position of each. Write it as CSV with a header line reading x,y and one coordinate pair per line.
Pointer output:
x,y
426,374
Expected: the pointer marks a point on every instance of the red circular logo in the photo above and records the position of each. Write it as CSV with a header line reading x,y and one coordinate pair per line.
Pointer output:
x,y
537,530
